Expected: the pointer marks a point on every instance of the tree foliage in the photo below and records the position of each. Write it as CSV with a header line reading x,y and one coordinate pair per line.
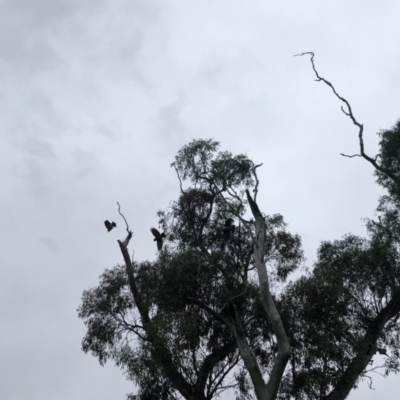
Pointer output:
x,y
180,349
388,175
347,309
215,311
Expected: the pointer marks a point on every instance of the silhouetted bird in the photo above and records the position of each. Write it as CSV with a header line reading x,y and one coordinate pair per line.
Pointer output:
x,y
228,228
158,237
110,225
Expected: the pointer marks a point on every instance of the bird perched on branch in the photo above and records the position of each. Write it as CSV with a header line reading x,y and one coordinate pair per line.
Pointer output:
x,y
228,228
158,237
110,225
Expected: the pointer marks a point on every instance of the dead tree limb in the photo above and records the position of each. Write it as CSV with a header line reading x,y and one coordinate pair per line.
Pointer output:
x,y
254,171
122,215
349,113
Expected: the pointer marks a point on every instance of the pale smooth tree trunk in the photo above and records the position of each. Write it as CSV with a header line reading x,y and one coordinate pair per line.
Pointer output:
x,y
269,390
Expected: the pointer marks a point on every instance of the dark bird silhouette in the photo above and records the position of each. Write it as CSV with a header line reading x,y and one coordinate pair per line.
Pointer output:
x,y
158,237
110,225
228,228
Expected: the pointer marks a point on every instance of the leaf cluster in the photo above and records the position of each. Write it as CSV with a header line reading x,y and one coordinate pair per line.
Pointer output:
x,y
389,157
330,314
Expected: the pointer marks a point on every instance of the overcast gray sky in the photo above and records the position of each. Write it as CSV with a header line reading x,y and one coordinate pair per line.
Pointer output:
x,y
96,98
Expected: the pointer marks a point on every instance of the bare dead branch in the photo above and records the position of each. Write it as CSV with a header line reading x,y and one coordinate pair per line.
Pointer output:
x,y
126,241
370,382
129,236
349,113
354,155
126,222
257,180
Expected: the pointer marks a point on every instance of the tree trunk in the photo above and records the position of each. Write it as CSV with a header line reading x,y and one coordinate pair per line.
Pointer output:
x,y
284,350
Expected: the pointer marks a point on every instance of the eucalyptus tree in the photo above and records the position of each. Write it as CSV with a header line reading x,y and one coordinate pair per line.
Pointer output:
x,y
191,323
214,310
262,240
348,308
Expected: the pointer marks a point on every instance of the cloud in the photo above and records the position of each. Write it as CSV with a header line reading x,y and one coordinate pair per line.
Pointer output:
x,y
96,99
38,148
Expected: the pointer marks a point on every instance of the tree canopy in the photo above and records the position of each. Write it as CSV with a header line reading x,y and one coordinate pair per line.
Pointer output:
x,y
197,266
215,310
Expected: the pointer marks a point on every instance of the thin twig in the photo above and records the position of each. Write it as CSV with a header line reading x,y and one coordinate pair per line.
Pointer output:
x,y
349,113
354,155
126,222
180,180
235,212
375,368
257,180
370,382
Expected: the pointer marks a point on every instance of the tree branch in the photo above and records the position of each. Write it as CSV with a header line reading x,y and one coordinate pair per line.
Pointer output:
x,y
126,222
212,359
366,351
257,180
180,180
159,351
354,155
215,314
349,113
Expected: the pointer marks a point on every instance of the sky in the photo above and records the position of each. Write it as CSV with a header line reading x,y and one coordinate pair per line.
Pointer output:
x,y
97,97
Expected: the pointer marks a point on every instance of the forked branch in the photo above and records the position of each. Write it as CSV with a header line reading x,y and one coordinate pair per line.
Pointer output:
x,y
126,222
349,112
254,170
270,390
160,351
